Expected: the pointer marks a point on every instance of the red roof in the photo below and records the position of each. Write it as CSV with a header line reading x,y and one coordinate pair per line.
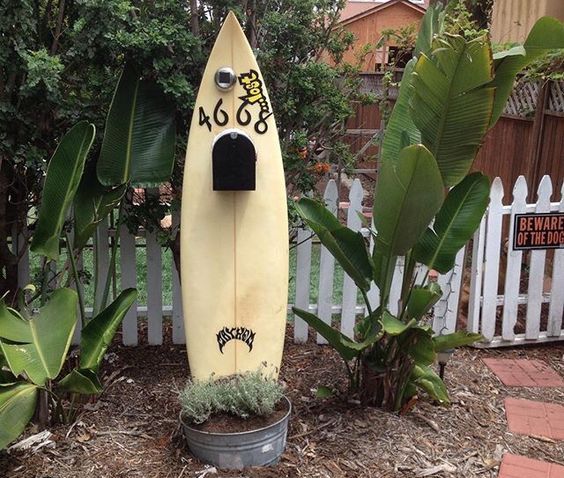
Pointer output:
x,y
357,8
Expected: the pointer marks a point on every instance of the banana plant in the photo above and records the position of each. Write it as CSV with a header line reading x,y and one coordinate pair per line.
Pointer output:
x,y
62,180
137,149
34,348
427,206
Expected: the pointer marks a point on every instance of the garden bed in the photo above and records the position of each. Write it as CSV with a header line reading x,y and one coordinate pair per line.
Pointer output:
x,y
132,429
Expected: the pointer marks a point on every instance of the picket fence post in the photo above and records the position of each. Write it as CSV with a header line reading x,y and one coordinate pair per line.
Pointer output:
x,y
492,255
303,274
556,307
536,267
514,260
350,290
327,266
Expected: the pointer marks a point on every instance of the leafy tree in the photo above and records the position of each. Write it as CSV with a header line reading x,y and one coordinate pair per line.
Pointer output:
x,y
61,60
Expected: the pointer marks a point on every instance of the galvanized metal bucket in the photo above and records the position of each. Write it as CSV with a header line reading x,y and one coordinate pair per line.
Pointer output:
x,y
260,447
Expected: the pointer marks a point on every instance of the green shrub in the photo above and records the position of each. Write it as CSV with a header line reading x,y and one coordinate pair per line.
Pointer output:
x,y
245,395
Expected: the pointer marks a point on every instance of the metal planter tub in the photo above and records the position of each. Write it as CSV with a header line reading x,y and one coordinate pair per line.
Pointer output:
x,y
259,447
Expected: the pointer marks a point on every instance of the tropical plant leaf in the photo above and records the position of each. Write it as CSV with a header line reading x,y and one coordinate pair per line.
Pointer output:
x,y
13,326
431,25
92,203
408,195
400,125
138,145
420,346
547,33
421,299
63,176
347,246
84,381
426,379
393,326
99,332
456,339
452,102
17,405
454,224
335,338
51,330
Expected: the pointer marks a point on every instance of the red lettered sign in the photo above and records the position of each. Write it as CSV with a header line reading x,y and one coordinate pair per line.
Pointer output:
x,y
538,231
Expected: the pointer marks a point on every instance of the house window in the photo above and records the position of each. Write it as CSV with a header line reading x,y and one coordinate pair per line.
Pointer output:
x,y
398,57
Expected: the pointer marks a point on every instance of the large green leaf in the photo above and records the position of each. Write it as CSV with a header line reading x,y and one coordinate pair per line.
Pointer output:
x,y
431,25
335,338
420,346
12,325
408,195
347,246
139,139
63,176
421,299
400,125
393,326
41,351
454,224
17,405
92,203
547,33
84,381
456,339
425,378
400,128
99,332
452,102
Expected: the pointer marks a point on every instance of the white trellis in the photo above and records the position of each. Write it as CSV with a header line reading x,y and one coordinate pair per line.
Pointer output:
x,y
495,303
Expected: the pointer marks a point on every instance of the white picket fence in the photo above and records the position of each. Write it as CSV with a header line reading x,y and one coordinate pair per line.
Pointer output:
x,y
512,292
490,312
346,313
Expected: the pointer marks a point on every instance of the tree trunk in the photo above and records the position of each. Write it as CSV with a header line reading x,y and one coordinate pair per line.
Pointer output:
x,y
194,21
8,260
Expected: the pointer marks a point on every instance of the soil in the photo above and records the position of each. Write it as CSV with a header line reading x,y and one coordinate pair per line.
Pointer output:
x,y
132,429
225,423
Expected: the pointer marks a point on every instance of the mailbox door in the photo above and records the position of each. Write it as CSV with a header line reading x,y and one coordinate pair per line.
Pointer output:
x,y
234,162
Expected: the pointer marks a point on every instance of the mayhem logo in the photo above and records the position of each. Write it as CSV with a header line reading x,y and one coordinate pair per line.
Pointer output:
x,y
235,333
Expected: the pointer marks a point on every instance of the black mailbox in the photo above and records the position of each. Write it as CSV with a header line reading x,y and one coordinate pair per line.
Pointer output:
x,y
234,162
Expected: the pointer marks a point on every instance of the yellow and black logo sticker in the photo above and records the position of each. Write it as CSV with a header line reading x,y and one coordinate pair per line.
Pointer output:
x,y
254,95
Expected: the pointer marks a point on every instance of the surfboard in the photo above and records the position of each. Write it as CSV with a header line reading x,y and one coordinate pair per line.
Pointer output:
x,y
234,223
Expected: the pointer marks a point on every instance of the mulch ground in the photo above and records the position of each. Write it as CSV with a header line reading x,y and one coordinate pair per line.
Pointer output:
x,y
131,430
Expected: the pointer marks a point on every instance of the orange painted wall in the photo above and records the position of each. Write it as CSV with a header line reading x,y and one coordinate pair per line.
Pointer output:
x,y
368,30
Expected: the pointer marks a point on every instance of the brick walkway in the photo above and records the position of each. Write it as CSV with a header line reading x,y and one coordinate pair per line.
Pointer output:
x,y
514,466
537,419
524,373
527,417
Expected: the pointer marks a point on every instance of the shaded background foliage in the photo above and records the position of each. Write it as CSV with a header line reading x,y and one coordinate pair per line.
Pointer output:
x,y
60,60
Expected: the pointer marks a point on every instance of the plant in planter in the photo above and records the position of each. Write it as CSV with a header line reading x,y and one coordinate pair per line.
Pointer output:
x,y
427,205
236,421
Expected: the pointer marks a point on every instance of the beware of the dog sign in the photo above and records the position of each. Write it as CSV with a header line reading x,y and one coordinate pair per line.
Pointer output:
x,y
538,231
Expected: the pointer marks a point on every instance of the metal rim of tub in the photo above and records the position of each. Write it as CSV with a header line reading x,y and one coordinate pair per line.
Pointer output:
x,y
216,447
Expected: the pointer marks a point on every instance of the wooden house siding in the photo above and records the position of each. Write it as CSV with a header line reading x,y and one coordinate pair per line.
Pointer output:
x,y
512,19
367,28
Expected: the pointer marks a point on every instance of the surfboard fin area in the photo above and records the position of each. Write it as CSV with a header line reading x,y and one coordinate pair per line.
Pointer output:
x,y
234,225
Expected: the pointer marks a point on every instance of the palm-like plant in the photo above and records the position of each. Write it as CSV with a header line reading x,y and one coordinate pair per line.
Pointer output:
x,y
426,206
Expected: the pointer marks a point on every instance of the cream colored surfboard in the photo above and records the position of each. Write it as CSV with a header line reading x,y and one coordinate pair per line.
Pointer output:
x,y
234,249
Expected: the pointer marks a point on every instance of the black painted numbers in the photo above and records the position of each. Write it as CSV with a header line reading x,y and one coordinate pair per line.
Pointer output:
x,y
254,95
